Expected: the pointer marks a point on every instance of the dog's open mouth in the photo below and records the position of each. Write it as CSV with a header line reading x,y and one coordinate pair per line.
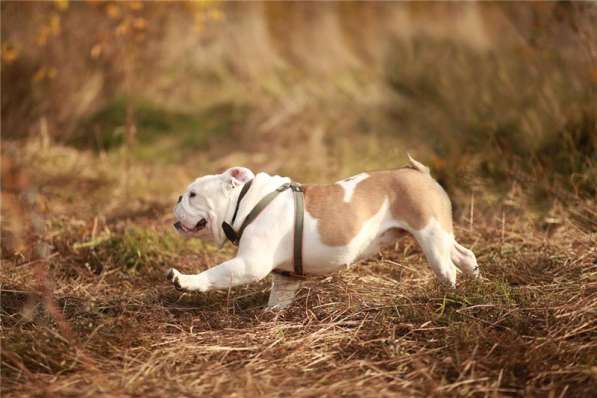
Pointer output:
x,y
198,227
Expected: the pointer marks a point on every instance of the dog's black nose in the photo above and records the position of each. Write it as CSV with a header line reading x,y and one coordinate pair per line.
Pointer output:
x,y
178,225
179,199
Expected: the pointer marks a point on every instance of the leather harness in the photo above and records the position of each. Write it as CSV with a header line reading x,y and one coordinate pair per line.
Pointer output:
x,y
299,215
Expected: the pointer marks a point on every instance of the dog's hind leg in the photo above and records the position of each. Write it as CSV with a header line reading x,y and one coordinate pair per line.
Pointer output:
x,y
283,291
465,259
437,245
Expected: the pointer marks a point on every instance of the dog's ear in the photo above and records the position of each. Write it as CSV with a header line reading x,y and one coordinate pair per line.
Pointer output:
x,y
237,176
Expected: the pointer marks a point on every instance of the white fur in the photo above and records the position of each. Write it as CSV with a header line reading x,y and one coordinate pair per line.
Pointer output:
x,y
349,184
267,243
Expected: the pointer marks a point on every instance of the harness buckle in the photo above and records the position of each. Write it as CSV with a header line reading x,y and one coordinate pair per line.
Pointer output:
x,y
283,187
230,233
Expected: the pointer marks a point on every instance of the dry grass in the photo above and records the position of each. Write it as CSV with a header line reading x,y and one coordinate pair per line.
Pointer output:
x,y
96,316
497,99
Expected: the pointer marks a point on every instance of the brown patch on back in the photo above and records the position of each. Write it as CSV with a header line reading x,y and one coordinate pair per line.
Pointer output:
x,y
414,198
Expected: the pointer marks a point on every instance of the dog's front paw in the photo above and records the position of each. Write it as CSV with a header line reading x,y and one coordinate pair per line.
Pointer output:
x,y
187,283
174,276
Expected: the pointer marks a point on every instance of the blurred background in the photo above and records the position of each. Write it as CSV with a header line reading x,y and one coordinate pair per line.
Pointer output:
x,y
131,100
109,110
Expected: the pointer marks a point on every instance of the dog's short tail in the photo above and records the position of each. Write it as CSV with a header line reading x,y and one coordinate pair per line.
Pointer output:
x,y
418,165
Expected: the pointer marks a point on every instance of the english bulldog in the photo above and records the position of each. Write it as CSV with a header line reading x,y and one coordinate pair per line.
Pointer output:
x,y
344,222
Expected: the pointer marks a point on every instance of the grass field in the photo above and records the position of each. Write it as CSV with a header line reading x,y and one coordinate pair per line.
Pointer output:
x,y
109,110
95,316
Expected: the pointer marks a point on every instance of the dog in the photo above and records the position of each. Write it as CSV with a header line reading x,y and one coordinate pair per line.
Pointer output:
x,y
344,222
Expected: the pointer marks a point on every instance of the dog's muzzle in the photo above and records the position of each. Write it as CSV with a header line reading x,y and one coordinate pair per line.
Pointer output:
x,y
198,227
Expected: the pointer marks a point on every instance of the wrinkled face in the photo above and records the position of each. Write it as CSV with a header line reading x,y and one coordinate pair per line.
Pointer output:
x,y
202,208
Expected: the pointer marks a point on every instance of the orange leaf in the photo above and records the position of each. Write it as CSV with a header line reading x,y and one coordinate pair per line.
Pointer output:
x,y
9,53
62,5
135,5
113,11
54,25
139,23
96,51
215,14
40,74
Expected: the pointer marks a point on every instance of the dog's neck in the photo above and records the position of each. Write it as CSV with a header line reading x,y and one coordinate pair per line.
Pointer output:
x,y
233,202
262,184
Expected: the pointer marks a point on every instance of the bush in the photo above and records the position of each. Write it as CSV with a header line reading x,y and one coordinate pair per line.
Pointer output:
x,y
498,111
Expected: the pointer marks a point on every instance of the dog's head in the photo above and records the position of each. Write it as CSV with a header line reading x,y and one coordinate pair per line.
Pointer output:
x,y
201,209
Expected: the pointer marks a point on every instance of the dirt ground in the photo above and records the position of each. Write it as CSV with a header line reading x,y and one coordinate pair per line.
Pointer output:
x,y
93,315
110,108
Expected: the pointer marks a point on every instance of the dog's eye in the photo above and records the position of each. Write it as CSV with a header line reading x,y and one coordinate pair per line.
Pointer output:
x,y
192,195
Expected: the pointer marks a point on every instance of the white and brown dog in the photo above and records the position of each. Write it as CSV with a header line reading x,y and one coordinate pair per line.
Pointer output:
x,y
343,223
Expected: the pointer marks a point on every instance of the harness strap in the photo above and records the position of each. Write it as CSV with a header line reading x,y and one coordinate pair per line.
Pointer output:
x,y
242,194
299,214
228,228
289,274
